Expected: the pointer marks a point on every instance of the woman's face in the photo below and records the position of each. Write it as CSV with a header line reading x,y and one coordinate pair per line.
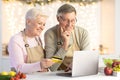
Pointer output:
x,y
36,26
67,21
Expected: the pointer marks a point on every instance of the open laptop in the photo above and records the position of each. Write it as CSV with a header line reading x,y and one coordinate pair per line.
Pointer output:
x,y
84,63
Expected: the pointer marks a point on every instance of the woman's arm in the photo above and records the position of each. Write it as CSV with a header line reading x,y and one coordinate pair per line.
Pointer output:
x,y
17,57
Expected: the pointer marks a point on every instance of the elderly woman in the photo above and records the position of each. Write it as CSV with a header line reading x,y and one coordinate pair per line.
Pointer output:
x,y
25,48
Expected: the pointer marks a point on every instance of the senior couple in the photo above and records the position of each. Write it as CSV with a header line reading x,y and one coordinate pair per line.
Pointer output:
x,y
25,48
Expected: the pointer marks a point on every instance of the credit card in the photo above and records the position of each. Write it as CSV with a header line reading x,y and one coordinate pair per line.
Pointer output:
x,y
56,59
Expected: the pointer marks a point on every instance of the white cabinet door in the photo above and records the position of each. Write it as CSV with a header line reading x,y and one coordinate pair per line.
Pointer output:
x,y
5,64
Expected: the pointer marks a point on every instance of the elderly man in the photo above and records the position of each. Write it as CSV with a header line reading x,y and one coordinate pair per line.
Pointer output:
x,y
65,38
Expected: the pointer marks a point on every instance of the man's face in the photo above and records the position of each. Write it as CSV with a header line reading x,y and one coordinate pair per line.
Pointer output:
x,y
67,21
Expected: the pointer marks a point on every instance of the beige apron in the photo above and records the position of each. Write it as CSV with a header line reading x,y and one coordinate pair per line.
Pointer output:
x,y
69,55
34,54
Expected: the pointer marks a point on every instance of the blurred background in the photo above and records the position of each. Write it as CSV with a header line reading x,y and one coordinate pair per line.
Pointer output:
x,y
99,17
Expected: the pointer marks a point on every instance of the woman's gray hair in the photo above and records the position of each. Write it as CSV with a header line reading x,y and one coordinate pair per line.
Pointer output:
x,y
33,13
66,8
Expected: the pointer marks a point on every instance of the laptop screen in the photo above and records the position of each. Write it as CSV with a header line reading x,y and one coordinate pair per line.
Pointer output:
x,y
85,63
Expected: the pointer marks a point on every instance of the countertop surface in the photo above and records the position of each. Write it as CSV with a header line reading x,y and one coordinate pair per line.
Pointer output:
x,y
59,75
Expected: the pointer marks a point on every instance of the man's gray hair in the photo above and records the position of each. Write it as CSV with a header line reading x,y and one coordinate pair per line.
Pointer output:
x,y
66,8
33,13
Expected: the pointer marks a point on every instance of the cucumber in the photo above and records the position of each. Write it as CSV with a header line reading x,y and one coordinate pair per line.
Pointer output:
x,y
5,77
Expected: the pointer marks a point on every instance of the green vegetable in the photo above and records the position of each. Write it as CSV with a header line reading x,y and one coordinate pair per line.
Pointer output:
x,y
5,77
108,62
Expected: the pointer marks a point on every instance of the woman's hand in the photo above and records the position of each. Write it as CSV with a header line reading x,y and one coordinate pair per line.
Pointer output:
x,y
45,63
44,70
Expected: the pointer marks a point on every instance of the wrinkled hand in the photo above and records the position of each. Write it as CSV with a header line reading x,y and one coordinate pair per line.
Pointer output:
x,y
65,34
44,70
69,68
45,63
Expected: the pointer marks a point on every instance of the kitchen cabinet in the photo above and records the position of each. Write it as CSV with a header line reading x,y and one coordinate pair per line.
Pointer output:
x,y
5,64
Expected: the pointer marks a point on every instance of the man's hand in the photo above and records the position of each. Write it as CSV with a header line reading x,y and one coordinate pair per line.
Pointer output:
x,y
69,68
65,34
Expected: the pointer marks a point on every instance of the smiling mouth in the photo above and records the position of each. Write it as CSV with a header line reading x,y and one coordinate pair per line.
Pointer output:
x,y
67,35
39,29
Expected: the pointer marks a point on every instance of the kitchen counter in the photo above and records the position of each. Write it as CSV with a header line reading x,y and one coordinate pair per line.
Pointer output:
x,y
53,75
57,76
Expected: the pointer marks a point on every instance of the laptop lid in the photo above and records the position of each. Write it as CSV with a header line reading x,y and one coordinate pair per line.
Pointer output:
x,y
85,63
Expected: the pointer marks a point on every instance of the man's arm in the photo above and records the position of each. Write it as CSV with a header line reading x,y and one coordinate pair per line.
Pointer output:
x,y
52,49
